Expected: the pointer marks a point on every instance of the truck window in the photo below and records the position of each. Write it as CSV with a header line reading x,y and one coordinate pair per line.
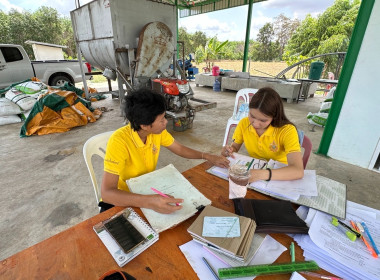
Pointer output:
x,y
11,54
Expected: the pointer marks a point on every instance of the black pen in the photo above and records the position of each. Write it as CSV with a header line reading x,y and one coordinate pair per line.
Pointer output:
x,y
211,269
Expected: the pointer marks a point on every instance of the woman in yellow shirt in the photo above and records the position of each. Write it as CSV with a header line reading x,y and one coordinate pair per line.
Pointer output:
x,y
268,134
133,150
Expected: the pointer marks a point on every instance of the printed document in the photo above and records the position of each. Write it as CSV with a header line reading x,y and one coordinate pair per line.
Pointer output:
x,y
334,252
221,227
331,195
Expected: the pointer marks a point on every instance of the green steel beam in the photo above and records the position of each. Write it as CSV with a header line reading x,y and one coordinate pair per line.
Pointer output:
x,y
176,19
347,69
247,32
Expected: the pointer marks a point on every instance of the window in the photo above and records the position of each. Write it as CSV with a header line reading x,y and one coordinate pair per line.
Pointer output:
x,y
11,54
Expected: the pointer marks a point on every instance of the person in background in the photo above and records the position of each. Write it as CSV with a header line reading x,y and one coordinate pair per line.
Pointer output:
x,y
133,150
268,134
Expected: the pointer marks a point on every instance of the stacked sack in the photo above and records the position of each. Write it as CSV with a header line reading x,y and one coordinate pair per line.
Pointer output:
x,y
320,118
9,112
19,101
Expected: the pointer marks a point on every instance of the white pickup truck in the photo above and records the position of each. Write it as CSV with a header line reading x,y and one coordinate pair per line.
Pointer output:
x,y
15,66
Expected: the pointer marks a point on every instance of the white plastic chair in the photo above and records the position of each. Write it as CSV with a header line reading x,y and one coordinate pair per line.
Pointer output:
x,y
96,145
242,96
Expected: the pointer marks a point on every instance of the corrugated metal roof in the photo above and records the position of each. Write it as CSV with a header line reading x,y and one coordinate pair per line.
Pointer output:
x,y
196,7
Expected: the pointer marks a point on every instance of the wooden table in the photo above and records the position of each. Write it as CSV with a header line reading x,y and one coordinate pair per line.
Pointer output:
x,y
309,82
78,253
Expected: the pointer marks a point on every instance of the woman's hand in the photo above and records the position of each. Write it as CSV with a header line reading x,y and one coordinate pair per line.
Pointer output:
x,y
164,205
227,151
258,174
217,160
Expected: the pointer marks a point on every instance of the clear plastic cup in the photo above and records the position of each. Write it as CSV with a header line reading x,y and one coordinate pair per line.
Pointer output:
x,y
238,177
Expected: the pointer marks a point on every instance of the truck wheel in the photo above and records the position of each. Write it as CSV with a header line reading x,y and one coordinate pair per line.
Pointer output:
x,y
59,81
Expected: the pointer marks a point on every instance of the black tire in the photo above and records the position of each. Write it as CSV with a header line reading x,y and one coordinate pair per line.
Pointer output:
x,y
59,81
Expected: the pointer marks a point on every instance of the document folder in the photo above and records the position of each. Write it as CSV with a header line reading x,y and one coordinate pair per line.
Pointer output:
x,y
271,216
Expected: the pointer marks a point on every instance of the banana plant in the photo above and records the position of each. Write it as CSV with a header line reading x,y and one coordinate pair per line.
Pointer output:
x,y
210,52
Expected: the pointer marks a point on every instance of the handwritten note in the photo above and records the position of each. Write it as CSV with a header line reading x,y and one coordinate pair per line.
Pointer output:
x,y
221,227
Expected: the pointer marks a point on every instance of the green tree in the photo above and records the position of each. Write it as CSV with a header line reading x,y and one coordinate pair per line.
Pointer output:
x,y
210,52
4,27
191,41
267,49
198,39
304,38
284,28
185,37
234,50
329,32
49,29
67,38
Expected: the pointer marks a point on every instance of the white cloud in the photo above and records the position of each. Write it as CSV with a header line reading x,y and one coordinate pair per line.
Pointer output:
x,y
211,27
257,22
299,8
5,6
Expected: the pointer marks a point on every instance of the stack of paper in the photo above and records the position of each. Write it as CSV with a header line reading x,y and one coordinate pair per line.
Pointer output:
x,y
334,252
314,191
237,247
269,251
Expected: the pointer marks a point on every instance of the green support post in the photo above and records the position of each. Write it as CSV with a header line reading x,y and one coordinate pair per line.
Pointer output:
x,y
176,13
345,77
247,32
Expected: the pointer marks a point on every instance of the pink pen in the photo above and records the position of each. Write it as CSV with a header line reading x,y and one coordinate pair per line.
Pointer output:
x,y
162,194
320,276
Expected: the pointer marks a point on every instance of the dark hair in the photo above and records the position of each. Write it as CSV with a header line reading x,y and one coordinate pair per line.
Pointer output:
x,y
269,102
142,107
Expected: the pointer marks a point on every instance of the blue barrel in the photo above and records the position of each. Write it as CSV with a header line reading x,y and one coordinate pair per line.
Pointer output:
x,y
316,69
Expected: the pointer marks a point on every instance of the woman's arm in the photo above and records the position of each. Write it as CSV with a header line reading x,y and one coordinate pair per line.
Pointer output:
x,y
111,194
293,171
187,152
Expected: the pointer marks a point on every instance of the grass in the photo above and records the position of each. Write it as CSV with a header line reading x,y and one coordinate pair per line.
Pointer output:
x,y
266,69
256,68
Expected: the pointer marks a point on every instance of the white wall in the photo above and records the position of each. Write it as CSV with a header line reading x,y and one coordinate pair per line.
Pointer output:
x,y
358,128
42,52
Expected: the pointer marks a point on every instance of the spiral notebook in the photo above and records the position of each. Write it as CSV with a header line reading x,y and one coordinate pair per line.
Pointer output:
x,y
145,237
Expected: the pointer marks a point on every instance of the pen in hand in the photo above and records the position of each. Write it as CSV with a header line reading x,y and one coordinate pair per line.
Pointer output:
x,y
162,194
230,146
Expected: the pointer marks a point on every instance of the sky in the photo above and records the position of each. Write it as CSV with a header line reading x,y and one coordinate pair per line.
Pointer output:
x,y
227,24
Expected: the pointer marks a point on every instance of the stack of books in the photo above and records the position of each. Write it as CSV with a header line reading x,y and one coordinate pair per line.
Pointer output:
x,y
237,247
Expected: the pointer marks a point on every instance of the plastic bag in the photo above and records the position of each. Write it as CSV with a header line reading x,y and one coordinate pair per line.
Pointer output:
x,y
319,119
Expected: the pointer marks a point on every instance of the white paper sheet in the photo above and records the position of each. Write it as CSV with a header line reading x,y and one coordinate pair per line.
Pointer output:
x,y
297,276
334,252
268,252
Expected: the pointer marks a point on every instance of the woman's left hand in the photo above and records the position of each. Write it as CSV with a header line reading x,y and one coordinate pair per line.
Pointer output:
x,y
219,161
258,174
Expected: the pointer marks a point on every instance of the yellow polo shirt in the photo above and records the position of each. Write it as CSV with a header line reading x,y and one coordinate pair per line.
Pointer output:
x,y
275,143
128,157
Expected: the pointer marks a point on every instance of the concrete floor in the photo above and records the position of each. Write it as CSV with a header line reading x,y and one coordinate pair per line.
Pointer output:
x,y
46,187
